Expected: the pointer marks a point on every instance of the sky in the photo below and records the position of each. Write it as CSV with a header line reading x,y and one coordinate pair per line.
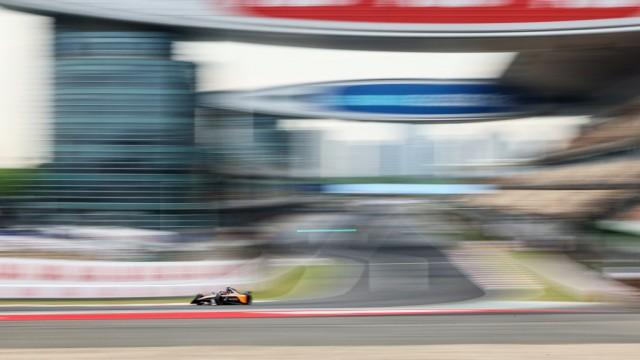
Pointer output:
x,y
25,89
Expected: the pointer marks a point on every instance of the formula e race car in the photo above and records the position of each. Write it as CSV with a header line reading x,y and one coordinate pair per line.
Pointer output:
x,y
228,296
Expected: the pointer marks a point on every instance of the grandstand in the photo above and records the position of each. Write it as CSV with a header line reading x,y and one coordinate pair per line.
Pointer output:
x,y
611,174
566,204
596,176
614,134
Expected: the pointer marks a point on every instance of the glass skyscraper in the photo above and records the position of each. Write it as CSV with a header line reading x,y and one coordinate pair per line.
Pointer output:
x,y
123,134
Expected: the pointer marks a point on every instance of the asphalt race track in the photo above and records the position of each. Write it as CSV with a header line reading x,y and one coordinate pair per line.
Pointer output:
x,y
398,276
386,330
397,271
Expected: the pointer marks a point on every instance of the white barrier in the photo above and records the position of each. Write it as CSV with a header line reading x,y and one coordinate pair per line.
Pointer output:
x,y
37,278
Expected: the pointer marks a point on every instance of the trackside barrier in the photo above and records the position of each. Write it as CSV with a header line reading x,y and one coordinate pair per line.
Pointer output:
x,y
40,278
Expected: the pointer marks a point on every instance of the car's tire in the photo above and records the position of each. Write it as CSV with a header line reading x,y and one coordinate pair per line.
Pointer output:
x,y
218,299
249,298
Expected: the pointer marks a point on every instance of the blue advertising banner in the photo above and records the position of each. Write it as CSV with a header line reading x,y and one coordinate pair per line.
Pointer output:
x,y
394,100
429,99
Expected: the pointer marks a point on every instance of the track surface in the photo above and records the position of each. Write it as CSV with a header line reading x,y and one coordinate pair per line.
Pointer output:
x,y
391,276
390,330
398,269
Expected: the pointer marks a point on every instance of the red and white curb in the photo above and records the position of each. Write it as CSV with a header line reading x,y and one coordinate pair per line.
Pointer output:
x,y
248,314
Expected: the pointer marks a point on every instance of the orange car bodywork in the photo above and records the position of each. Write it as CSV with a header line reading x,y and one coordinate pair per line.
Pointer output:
x,y
242,298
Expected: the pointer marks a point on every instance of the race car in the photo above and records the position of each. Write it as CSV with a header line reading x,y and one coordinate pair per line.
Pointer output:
x,y
228,296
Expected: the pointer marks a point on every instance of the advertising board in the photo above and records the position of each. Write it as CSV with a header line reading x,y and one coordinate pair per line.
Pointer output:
x,y
381,100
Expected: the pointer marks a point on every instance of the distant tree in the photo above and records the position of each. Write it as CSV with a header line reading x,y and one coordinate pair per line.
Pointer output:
x,y
13,183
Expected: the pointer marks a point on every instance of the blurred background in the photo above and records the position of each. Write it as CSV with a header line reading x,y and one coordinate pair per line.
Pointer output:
x,y
340,160
275,164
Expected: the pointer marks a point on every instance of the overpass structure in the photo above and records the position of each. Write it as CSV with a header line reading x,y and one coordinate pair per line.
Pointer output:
x,y
124,109
580,52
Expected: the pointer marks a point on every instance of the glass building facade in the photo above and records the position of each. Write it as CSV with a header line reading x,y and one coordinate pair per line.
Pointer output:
x,y
243,143
123,150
